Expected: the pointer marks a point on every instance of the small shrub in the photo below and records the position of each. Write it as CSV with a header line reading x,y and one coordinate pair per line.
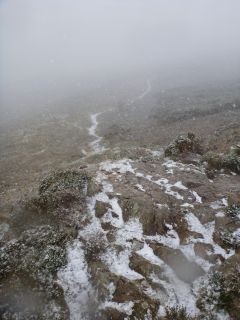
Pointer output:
x,y
231,239
221,292
184,144
233,211
178,313
230,161
94,246
214,160
62,180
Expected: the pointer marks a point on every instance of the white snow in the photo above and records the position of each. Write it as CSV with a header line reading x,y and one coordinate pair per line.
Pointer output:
x,y
236,235
171,164
179,185
118,263
157,153
166,186
95,144
140,187
129,231
171,239
178,292
220,214
225,202
187,205
121,166
124,307
197,197
147,253
74,279
188,251
160,205
219,204
206,231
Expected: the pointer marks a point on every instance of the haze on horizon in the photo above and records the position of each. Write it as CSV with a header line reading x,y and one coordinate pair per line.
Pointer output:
x,y
61,46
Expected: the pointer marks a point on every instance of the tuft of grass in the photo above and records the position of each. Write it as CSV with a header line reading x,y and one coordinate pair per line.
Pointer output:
x,y
62,180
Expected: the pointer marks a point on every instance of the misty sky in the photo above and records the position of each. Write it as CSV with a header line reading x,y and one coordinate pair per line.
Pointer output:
x,y
52,42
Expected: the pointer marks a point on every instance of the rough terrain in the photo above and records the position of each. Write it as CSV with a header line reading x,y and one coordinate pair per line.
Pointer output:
x,y
122,217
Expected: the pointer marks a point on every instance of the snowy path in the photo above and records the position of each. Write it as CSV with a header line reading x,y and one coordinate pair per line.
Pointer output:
x,y
96,143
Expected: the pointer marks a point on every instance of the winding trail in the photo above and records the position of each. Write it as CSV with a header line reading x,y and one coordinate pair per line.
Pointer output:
x,y
74,277
95,145
142,95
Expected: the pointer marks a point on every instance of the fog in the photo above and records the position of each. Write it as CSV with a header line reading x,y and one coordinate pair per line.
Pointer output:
x,y
56,47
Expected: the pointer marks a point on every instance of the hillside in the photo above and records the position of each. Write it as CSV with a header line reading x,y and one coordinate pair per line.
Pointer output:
x,y
121,212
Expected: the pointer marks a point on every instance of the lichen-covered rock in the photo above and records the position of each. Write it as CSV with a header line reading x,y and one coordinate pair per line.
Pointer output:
x,y
184,144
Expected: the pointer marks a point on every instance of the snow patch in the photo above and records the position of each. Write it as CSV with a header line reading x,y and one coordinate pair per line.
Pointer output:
x,y
206,231
118,263
121,166
140,187
95,144
197,197
74,279
124,307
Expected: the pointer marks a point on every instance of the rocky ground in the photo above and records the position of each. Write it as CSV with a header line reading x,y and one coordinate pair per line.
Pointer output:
x,y
136,221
